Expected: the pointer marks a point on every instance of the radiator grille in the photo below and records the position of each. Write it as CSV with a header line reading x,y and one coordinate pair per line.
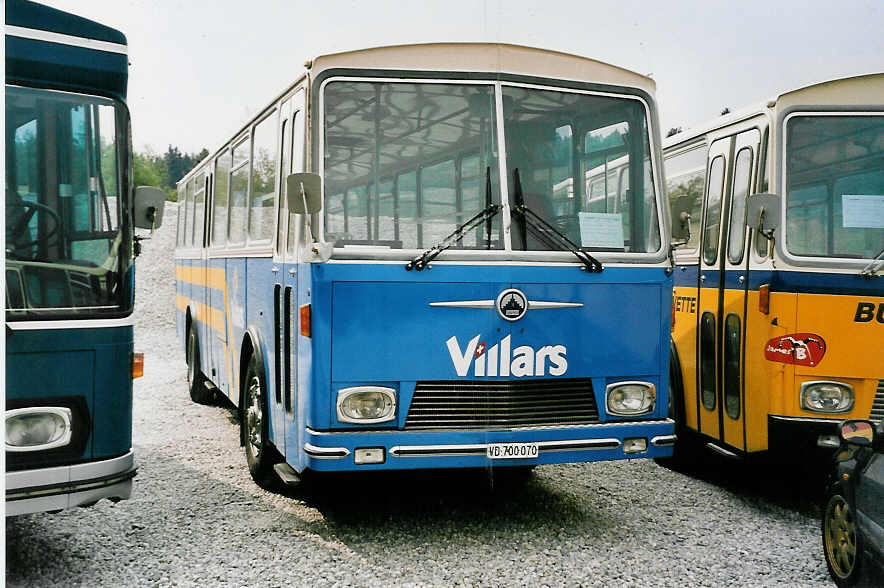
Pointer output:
x,y
501,404
877,413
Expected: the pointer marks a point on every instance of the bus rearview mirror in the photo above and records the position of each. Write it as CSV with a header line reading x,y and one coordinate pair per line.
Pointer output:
x,y
304,193
148,207
763,212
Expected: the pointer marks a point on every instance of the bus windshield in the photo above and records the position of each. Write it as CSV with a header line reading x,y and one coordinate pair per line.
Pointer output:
x,y
66,248
405,163
584,161
835,185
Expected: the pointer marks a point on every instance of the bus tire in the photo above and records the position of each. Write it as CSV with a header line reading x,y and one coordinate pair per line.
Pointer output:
x,y
254,425
682,450
842,541
196,382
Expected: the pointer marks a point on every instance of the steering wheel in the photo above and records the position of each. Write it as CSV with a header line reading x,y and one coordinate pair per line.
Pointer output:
x,y
20,224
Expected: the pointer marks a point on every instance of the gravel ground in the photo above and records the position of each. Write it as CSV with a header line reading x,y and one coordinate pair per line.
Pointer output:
x,y
196,518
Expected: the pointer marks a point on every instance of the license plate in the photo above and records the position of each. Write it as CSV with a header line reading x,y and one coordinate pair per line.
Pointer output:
x,y
511,450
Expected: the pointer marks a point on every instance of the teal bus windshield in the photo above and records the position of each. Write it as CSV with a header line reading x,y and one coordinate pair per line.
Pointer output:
x,y
67,245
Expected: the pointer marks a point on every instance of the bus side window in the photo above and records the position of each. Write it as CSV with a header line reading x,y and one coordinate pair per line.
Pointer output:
x,y
284,167
297,165
239,183
219,209
713,211
685,182
742,179
199,208
761,242
181,214
188,219
262,188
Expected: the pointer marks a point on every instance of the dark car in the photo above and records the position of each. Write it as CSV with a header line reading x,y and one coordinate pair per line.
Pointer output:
x,y
853,509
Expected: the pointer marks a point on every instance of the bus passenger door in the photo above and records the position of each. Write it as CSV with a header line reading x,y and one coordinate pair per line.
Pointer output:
x,y
291,233
709,299
732,318
282,312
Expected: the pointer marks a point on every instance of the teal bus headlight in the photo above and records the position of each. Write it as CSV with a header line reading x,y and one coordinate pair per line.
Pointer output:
x,y
366,404
630,398
826,397
37,428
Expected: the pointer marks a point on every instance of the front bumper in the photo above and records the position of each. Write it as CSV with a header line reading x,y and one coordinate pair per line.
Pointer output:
x,y
802,436
61,487
334,451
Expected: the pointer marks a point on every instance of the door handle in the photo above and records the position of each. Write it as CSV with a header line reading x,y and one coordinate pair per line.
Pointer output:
x,y
291,271
274,269
741,279
702,277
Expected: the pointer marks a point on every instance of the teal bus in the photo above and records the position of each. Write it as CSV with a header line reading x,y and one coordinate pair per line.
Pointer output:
x,y
70,211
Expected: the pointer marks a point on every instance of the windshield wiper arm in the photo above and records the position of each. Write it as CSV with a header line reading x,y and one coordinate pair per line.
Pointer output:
x,y
871,270
486,214
551,236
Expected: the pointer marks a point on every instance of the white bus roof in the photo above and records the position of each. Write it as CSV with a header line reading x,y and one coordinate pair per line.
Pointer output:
x,y
485,57
866,89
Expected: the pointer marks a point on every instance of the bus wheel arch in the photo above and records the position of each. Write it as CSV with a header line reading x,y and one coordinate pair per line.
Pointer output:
x,y
676,388
196,381
254,413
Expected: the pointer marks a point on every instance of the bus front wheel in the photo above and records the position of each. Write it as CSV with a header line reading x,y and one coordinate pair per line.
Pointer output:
x,y
259,454
195,379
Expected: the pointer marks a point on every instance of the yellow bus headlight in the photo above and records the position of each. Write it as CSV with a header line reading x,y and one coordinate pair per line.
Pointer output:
x,y
827,397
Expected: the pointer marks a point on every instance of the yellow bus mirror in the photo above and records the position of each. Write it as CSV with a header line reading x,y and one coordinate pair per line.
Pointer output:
x,y
763,213
304,193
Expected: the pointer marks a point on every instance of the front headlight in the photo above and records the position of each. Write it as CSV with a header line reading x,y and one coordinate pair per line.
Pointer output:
x,y
37,428
366,404
828,397
630,398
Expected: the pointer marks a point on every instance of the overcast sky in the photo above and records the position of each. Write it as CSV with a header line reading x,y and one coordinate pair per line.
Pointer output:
x,y
200,69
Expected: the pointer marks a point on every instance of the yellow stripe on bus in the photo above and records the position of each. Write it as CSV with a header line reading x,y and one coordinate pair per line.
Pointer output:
x,y
215,278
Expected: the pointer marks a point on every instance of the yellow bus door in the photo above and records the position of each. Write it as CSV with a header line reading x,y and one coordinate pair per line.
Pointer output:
x,y
733,292
709,291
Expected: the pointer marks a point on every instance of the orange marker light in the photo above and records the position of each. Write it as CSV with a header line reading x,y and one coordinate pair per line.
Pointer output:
x,y
672,324
305,320
764,298
137,365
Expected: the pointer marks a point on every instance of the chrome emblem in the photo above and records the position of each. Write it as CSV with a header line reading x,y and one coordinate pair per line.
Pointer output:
x,y
511,305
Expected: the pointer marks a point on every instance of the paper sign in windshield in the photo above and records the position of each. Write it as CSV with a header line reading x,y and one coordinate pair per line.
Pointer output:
x,y
601,229
862,211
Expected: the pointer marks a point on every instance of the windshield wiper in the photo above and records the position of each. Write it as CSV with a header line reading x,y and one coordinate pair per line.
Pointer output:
x,y
545,232
483,216
871,270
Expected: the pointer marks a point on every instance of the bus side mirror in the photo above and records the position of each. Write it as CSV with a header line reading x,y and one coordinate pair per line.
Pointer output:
x,y
763,213
858,432
148,207
304,193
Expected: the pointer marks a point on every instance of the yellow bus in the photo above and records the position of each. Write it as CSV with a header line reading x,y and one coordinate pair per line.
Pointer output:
x,y
778,305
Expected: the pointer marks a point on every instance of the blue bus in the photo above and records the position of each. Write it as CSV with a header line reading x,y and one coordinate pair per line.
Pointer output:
x,y
70,212
414,257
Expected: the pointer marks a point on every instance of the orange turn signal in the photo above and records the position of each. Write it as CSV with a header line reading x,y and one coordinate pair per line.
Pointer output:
x,y
137,365
305,320
764,299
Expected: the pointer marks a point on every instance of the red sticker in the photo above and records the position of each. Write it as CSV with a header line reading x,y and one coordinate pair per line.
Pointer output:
x,y
797,348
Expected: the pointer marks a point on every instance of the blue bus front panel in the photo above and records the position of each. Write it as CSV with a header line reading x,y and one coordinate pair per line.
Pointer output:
x,y
432,336
89,372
